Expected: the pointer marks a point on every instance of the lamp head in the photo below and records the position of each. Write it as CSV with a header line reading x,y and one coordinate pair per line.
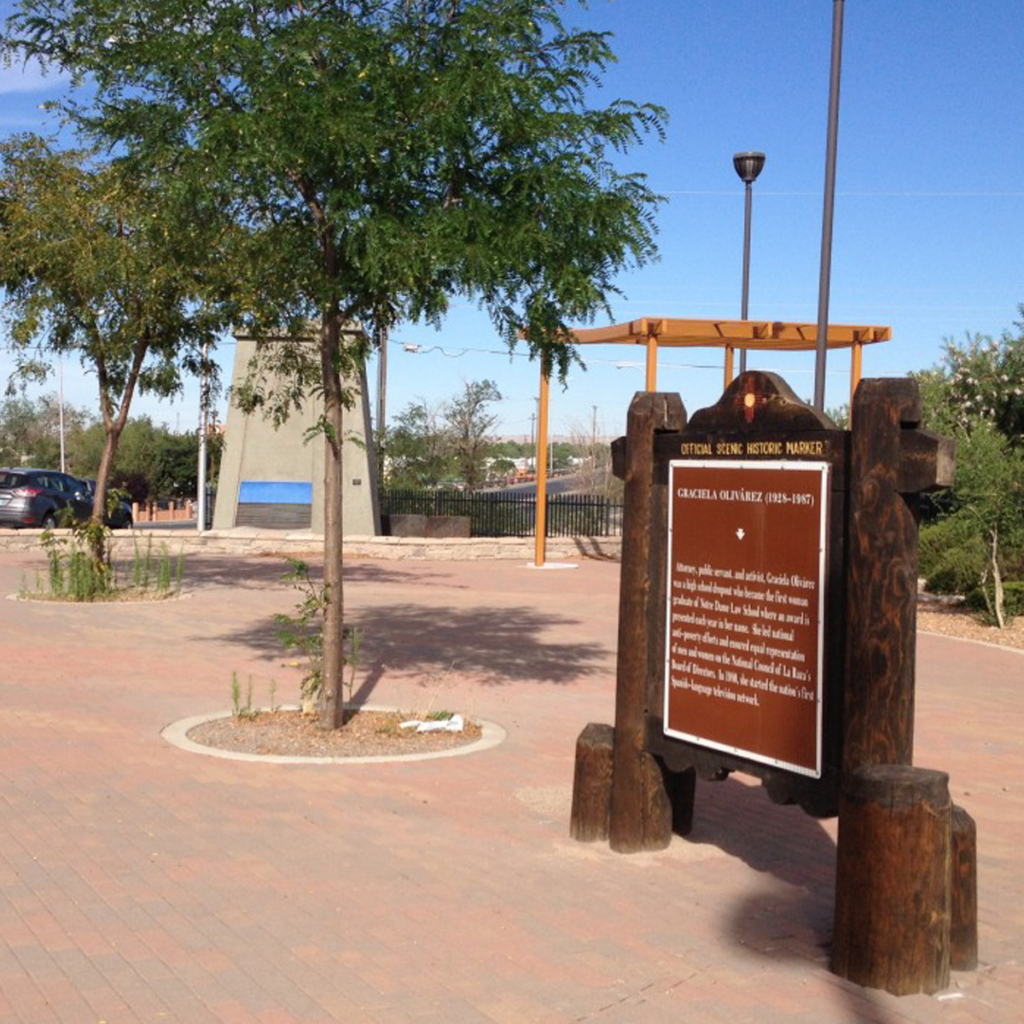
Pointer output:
x,y
748,166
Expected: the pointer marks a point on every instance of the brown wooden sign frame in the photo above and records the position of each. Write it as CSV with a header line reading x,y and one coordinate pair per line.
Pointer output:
x,y
906,896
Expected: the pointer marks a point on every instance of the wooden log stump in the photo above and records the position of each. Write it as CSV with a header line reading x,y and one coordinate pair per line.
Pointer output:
x,y
892,922
963,926
592,784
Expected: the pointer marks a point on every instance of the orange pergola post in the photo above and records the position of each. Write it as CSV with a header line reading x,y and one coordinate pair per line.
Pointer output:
x,y
652,362
728,365
540,522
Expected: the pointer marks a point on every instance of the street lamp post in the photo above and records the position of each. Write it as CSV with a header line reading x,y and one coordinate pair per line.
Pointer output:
x,y
748,167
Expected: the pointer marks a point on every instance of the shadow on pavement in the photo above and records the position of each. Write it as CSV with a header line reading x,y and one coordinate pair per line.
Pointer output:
x,y
496,646
792,921
269,570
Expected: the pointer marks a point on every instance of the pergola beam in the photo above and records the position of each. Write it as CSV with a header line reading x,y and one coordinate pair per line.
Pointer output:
x,y
670,332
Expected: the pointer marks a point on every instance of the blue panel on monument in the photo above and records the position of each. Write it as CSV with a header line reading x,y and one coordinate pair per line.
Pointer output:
x,y
275,492
275,504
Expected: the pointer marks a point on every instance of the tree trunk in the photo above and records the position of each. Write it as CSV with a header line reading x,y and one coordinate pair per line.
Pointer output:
x,y
997,581
111,440
332,708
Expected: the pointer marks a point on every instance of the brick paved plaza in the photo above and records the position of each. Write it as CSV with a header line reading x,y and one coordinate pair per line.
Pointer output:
x,y
141,883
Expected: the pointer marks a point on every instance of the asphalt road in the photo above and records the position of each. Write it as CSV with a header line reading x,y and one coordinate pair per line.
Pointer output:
x,y
556,485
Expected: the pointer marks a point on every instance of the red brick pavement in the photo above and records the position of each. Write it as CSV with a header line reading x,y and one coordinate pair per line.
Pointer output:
x,y
140,883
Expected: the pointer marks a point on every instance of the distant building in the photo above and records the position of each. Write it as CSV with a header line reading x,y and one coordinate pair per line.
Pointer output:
x,y
274,478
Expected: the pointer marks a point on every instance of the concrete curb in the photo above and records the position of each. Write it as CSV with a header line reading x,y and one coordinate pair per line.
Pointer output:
x,y
245,540
177,735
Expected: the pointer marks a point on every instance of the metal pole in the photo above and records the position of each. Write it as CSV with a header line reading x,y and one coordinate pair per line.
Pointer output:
x,y
203,414
382,387
593,447
824,279
540,519
747,212
60,409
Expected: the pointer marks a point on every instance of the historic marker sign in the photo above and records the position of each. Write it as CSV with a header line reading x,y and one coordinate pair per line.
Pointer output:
x,y
745,608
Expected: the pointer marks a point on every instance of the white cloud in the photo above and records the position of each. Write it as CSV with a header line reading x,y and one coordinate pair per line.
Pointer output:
x,y
29,76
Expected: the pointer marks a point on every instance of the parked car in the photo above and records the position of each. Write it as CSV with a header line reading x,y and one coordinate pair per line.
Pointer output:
x,y
39,497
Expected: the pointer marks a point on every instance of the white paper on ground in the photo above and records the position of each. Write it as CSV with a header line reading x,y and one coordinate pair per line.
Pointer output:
x,y
453,724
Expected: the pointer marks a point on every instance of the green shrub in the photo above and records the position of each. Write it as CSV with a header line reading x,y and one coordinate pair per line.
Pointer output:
x,y
1013,598
952,556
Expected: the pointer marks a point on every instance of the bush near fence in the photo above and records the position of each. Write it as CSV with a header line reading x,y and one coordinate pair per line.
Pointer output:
x,y
500,514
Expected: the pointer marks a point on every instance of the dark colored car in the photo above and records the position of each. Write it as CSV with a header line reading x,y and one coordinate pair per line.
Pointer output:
x,y
38,497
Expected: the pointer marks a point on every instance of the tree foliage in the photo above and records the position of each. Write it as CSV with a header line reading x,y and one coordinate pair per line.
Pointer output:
x,y
30,431
451,443
101,264
382,155
977,395
153,463
470,425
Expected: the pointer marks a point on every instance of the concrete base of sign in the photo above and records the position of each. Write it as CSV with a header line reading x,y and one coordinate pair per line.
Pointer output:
x,y
553,565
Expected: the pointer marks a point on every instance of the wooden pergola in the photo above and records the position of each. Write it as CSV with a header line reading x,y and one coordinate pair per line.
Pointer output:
x,y
671,332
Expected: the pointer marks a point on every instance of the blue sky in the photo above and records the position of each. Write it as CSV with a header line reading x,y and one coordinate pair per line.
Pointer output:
x,y
928,209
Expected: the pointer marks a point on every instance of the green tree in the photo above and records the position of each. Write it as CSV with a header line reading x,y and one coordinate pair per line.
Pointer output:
x,y
990,492
469,430
30,431
152,463
100,262
977,395
385,154
418,453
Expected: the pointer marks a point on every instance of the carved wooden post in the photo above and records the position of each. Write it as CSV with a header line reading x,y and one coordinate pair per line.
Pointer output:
x,y
895,881
892,923
891,461
641,812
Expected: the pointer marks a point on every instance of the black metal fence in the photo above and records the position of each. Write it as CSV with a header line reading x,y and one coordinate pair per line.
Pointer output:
x,y
505,514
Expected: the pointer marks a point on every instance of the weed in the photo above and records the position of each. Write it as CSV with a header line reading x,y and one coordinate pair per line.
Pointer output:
x,y
147,562
74,573
164,570
304,632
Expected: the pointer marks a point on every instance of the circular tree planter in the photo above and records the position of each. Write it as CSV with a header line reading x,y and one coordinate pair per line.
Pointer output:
x,y
177,734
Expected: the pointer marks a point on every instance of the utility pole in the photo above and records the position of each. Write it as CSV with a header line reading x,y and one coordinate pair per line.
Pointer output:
x,y
204,398
825,273
593,447
382,387
60,410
